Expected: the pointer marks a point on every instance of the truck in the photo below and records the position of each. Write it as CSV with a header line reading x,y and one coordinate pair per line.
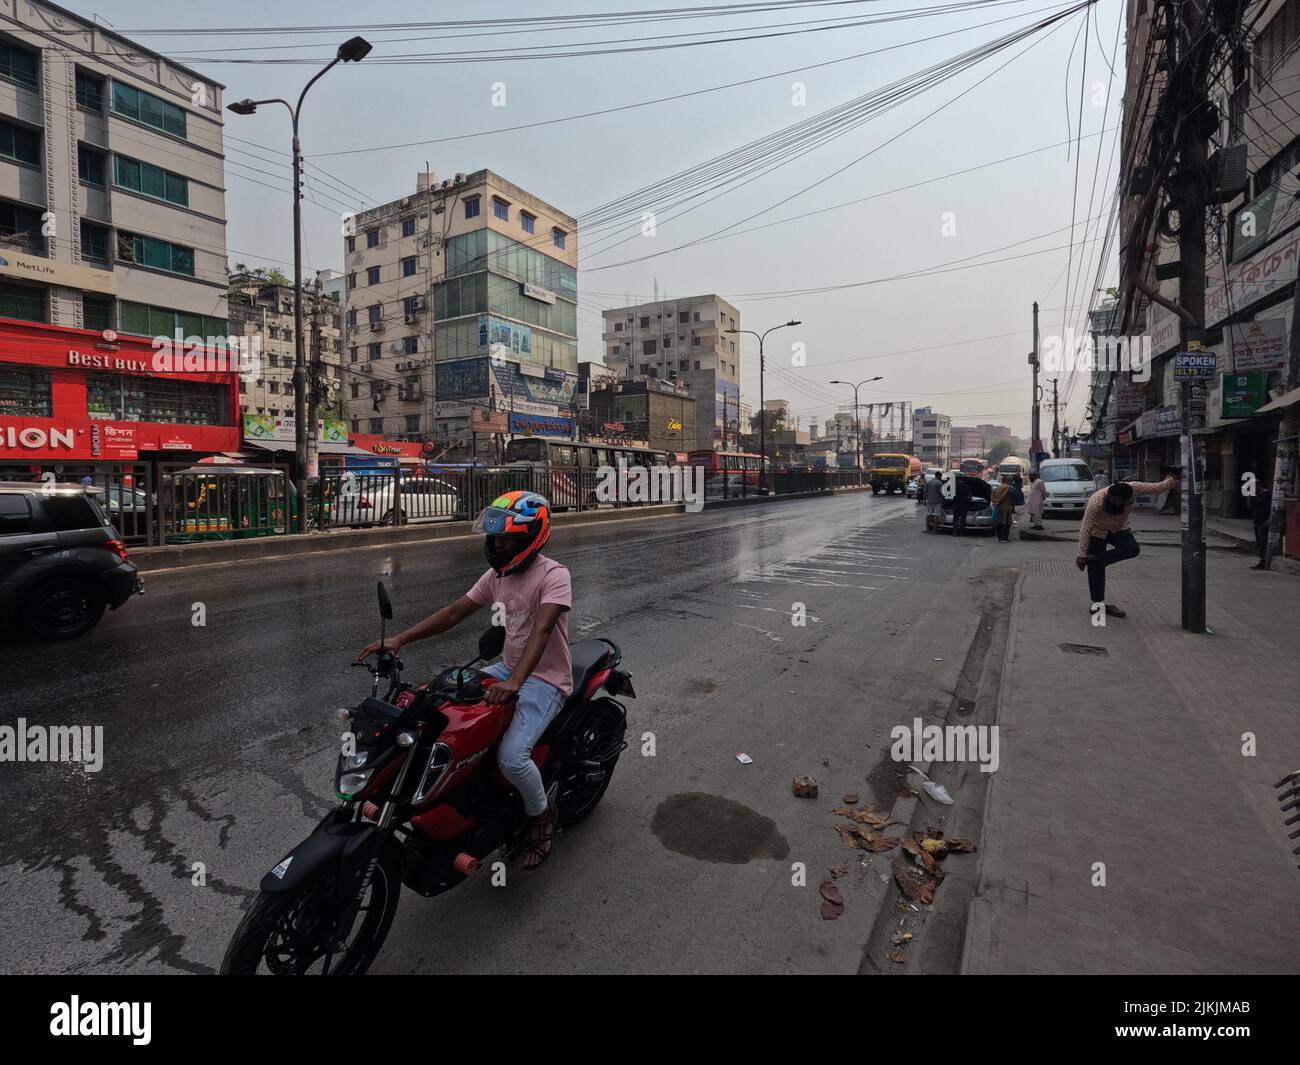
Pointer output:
x,y
889,472
1013,466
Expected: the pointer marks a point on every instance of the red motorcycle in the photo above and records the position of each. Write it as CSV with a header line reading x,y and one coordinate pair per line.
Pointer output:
x,y
424,804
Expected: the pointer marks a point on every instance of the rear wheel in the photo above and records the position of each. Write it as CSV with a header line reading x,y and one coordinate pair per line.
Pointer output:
x,y
394,518
63,608
286,933
602,734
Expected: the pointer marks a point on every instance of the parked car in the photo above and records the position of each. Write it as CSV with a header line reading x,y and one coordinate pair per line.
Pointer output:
x,y
979,515
371,503
62,563
1069,485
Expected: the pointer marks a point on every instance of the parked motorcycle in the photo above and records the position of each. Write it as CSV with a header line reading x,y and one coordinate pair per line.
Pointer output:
x,y
424,804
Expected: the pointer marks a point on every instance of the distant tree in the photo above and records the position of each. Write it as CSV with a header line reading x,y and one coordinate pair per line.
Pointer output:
x,y
1000,450
260,276
775,420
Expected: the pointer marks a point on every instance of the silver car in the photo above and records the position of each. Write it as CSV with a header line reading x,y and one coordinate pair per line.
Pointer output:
x,y
1069,485
370,501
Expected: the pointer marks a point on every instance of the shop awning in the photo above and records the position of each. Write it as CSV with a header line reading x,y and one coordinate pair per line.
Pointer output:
x,y
1288,399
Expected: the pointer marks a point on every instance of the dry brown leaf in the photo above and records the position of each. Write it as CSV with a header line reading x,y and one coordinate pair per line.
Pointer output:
x,y
878,844
895,955
912,889
868,816
838,871
830,910
831,893
964,846
849,835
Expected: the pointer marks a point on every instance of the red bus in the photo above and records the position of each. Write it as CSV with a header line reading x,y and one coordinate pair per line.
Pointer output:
x,y
729,469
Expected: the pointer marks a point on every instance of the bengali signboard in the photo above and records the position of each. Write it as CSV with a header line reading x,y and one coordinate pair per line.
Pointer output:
x,y
1266,217
1258,345
265,429
1243,394
1264,273
462,379
547,386
536,425
483,420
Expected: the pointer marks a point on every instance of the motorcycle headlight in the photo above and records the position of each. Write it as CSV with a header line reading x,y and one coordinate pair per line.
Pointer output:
x,y
351,783
355,761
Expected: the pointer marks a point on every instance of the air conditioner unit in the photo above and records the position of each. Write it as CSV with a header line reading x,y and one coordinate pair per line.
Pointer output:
x,y
376,327
459,178
364,368
409,318
417,304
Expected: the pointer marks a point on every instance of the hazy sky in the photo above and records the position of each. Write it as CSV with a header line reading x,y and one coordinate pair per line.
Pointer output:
x,y
974,323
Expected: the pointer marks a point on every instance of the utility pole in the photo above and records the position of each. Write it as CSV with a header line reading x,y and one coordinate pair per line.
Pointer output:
x,y
1056,432
1036,441
1190,196
316,384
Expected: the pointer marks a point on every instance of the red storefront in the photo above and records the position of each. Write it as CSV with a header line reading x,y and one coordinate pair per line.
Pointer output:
x,y
79,395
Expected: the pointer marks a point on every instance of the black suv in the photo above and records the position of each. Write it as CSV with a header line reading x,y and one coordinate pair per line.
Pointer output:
x,y
61,561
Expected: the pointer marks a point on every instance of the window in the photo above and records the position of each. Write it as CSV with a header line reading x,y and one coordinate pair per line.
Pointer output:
x,y
138,106
500,209
150,180
618,327
645,322
408,227
94,243
375,313
372,238
697,316
697,364
96,311
155,399
243,387
649,347
356,390
352,318
412,423
557,237
684,316
695,342
376,389
410,345
352,353
155,254
352,280
373,350
351,244
19,144
90,166
471,207
356,425
1277,41
18,64
377,426
408,266
24,391
275,387
372,276
411,305
22,226
143,320
668,342
527,222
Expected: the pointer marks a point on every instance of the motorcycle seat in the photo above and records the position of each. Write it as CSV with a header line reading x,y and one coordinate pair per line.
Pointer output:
x,y
589,657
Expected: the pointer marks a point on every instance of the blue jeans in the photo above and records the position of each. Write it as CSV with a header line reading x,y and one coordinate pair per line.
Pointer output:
x,y
535,708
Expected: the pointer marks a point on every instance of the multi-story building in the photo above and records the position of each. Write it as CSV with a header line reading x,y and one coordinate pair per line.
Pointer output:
x,y
974,441
682,340
461,295
112,233
931,436
263,314
660,414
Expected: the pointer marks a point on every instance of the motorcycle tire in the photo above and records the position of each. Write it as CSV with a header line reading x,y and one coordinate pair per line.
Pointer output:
x,y
270,912
605,729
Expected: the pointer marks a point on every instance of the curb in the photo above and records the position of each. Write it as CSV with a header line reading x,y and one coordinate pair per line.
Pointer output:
x,y
980,931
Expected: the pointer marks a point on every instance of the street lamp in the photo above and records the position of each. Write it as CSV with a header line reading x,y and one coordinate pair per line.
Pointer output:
x,y
762,414
857,433
353,50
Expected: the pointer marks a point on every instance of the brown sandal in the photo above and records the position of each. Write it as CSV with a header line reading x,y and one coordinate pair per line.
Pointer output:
x,y
541,834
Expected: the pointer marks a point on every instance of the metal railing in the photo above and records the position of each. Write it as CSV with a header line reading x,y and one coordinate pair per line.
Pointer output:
x,y
154,503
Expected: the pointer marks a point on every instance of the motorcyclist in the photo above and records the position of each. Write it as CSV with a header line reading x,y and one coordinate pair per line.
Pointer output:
x,y
530,595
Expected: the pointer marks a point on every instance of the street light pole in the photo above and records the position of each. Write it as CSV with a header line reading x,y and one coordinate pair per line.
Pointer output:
x,y
762,412
857,431
352,50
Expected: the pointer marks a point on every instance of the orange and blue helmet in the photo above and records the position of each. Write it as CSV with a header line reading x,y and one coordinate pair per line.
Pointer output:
x,y
516,526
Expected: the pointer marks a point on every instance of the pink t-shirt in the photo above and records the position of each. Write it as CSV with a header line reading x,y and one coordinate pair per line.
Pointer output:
x,y
522,594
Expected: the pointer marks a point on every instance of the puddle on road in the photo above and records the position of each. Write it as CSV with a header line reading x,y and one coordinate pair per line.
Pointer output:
x,y
713,829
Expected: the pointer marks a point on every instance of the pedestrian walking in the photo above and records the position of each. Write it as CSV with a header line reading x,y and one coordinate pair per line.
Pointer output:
x,y
1263,506
933,504
1003,509
1037,501
1104,534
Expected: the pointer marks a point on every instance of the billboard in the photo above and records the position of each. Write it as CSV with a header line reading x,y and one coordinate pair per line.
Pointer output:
x,y
537,425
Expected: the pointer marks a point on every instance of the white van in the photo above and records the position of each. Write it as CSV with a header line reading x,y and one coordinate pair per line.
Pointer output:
x,y
1069,484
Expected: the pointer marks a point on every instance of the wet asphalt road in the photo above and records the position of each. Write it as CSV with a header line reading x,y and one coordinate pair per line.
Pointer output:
x,y
220,744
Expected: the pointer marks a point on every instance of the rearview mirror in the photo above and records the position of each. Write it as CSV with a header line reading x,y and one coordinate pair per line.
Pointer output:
x,y
385,604
491,642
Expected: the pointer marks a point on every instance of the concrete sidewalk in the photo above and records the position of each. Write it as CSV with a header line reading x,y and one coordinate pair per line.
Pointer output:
x,y
1135,759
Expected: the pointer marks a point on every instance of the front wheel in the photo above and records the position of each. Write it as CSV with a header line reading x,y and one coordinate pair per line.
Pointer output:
x,y
289,933
63,608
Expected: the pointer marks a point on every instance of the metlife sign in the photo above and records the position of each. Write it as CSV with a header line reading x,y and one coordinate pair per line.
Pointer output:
x,y
1196,366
